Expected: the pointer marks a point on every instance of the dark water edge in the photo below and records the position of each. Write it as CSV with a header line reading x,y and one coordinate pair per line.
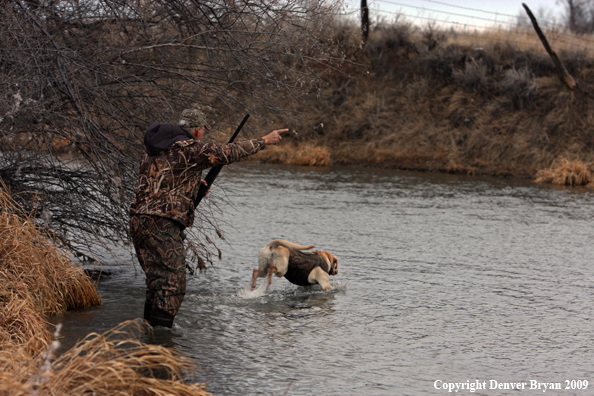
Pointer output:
x,y
441,278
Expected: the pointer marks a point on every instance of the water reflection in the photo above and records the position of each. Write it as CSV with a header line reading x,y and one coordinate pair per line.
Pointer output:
x,y
164,337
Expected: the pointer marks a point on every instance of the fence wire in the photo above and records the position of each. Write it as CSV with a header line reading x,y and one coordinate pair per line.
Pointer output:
x,y
476,26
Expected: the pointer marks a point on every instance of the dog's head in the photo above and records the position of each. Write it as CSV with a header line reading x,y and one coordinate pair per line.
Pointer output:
x,y
331,260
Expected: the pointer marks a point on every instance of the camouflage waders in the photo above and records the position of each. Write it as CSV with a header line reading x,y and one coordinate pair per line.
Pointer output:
x,y
160,251
168,183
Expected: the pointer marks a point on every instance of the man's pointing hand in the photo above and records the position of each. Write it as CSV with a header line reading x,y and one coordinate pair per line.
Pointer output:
x,y
274,137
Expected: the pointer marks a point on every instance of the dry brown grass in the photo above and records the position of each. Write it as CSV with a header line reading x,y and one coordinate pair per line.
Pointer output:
x,y
37,279
304,154
565,173
117,363
489,104
524,38
33,264
113,363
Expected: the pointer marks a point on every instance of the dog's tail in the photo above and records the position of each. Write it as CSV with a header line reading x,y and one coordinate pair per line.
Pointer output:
x,y
289,245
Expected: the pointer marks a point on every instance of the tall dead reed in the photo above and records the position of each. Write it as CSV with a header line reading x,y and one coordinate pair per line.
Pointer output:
x,y
117,363
37,279
32,263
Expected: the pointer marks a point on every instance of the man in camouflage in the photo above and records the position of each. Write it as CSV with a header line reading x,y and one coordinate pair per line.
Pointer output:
x,y
169,178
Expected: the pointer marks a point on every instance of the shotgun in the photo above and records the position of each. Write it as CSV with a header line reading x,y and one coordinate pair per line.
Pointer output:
x,y
214,171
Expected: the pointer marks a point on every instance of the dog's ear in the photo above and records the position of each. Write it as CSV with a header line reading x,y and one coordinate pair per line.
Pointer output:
x,y
334,264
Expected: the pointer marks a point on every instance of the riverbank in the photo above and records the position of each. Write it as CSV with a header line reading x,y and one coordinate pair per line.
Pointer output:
x,y
427,100
37,279
561,172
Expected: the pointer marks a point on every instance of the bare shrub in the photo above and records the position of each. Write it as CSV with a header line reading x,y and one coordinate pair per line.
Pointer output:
x,y
565,173
392,46
441,63
521,85
432,37
82,80
473,76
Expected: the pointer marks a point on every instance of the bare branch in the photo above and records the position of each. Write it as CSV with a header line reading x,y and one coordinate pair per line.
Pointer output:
x,y
83,79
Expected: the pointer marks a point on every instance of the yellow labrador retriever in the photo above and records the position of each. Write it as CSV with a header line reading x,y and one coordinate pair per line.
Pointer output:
x,y
287,259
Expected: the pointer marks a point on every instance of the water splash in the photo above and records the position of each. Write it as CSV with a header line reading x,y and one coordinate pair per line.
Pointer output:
x,y
248,293
317,289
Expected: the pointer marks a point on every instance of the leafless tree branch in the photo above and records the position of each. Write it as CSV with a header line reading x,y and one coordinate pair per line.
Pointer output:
x,y
82,80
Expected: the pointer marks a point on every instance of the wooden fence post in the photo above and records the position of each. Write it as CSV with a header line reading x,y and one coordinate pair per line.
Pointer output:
x,y
364,21
565,76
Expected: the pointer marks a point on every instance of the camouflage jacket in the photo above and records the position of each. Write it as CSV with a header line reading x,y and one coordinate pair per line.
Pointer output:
x,y
168,182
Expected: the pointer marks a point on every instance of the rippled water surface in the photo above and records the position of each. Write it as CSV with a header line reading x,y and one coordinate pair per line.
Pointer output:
x,y
441,277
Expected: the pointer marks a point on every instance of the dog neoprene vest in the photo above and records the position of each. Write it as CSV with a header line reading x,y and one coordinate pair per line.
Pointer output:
x,y
301,264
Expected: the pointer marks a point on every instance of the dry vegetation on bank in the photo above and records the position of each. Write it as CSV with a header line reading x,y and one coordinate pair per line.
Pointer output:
x,y
442,101
37,279
566,173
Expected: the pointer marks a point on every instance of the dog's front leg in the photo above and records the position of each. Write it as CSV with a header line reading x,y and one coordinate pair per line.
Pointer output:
x,y
319,276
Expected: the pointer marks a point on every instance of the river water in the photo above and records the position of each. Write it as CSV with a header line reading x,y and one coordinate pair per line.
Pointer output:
x,y
442,279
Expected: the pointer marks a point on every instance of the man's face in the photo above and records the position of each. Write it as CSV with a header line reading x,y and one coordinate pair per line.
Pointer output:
x,y
198,133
